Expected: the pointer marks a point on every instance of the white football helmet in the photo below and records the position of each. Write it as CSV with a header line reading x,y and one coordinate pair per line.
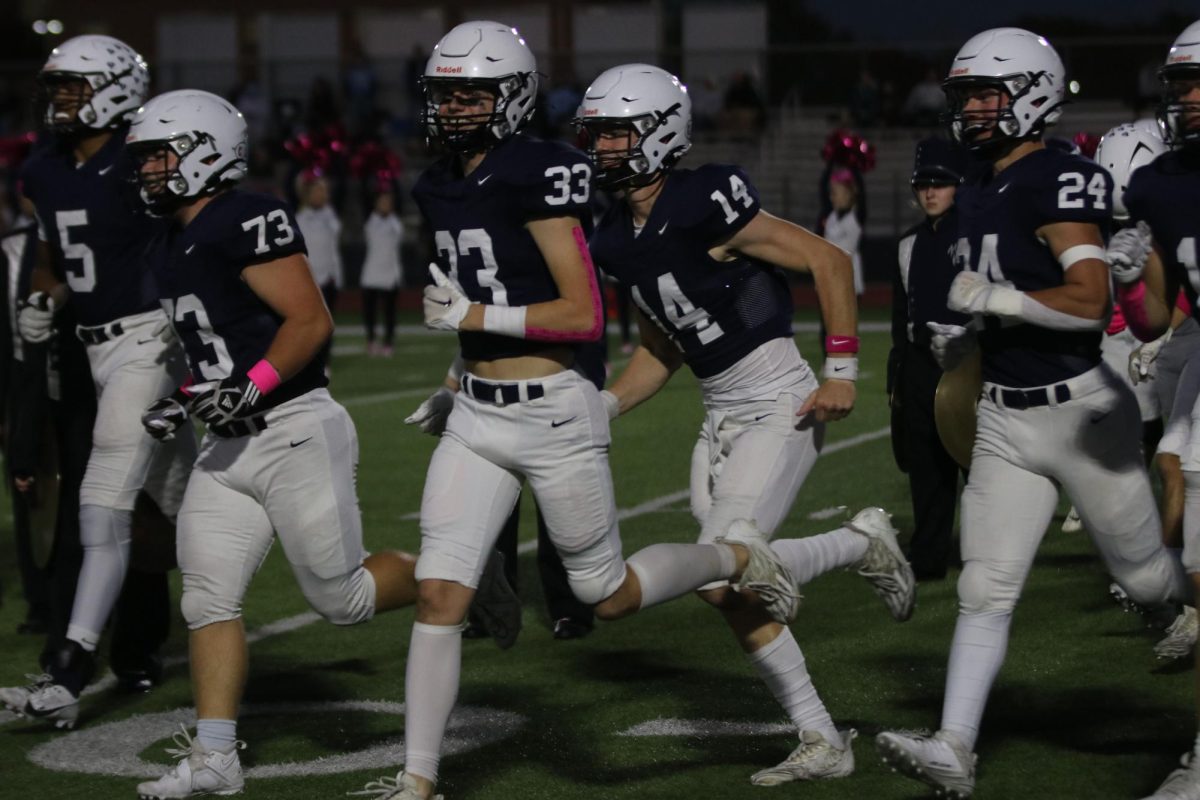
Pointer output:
x,y
205,133
1021,64
1181,68
479,55
1123,150
637,99
117,75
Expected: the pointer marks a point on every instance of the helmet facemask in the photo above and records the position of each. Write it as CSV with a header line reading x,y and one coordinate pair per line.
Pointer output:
x,y
166,189
1179,119
475,133
614,167
61,93
992,133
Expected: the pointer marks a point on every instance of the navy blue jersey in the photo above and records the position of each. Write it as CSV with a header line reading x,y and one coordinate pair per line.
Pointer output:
x,y
224,326
478,223
999,216
96,226
1166,194
714,311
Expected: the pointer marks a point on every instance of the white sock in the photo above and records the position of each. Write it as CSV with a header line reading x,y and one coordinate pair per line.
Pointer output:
x,y
980,642
667,571
430,689
217,734
781,666
105,536
815,555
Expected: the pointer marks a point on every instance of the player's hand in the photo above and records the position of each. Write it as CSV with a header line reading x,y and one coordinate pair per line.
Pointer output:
x,y
1127,252
166,415
950,344
35,317
432,414
833,400
220,403
1141,360
969,293
445,304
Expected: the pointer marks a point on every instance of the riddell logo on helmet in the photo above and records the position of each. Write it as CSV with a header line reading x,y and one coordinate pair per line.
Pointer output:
x,y
959,71
591,112
449,70
1177,59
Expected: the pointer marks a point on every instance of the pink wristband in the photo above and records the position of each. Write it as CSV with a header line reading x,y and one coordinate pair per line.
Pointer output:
x,y
1132,299
264,376
841,344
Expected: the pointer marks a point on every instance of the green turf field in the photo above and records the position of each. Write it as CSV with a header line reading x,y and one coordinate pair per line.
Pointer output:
x,y
1081,709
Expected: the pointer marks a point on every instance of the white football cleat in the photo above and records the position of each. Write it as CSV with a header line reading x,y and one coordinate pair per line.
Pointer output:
x,y
939,760
1072,523
200,771
1181,635
815,759
401,787
765,574
884,565
1182,784
50,701
14,698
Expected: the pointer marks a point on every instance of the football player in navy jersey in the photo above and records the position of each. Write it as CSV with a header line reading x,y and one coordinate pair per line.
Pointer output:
x,y
1036,283
1151,262
699,255
280,454
514,278
93,237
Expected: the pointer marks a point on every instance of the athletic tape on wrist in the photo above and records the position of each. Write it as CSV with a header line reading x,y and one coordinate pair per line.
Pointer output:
x,y
505,320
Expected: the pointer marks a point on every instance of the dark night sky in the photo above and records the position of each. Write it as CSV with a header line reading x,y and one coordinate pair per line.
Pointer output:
x,y
898,20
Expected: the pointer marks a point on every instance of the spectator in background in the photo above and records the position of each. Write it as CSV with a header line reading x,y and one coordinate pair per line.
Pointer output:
x,y
866,101
706,103
321,228
926,101
841,227
561,102
744,112
383,233
361,86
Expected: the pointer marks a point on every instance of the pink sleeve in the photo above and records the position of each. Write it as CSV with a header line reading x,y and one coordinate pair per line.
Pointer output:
x,y
1132,300
591,334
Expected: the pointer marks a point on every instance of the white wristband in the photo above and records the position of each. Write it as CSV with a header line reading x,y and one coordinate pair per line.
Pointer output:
x,y
840,369
505,320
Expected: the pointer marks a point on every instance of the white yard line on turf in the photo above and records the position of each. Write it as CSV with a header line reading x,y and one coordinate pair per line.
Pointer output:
x,y
289,624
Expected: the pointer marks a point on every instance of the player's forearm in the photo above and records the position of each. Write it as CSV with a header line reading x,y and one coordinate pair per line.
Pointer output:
x,y
834,279
297,342
1084,302
641,379
561,320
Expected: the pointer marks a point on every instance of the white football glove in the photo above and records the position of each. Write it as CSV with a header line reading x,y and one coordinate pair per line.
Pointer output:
x,y
1141,360
35,317
432,414
445,304
969,293
950,344
1127,252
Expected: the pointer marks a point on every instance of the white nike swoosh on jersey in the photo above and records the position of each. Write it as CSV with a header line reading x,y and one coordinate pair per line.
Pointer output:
x,y
105,170
664,227
1002,188
484,179
190,247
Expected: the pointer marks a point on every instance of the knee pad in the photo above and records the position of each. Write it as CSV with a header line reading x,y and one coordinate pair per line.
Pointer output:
x,y
1150,583
592,587
987,589
107,528
201,606
344,600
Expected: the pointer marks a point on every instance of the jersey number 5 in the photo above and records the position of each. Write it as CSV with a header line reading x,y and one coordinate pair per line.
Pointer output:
x,y
65,220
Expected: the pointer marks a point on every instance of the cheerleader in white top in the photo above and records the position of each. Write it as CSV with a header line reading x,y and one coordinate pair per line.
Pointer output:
x,y
381,272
